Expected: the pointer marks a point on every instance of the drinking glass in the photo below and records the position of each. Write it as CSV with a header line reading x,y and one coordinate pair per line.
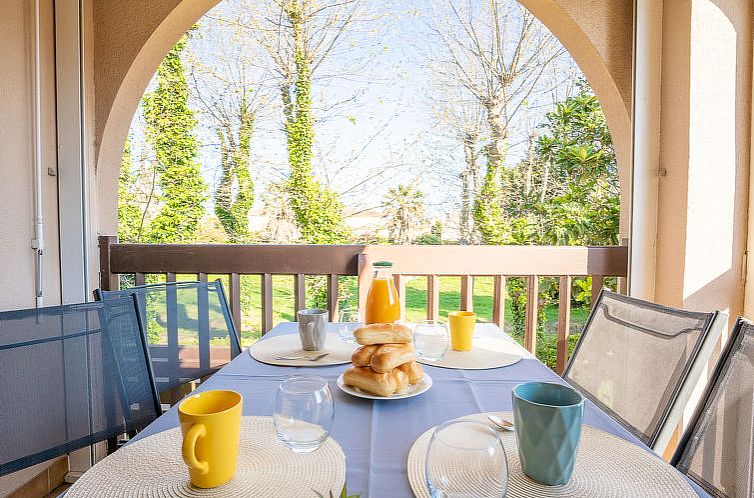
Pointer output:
x,y
347,319
466,459
431,339
304,412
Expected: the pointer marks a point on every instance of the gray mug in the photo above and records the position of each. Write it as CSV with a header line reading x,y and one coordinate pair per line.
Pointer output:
x,y
312,327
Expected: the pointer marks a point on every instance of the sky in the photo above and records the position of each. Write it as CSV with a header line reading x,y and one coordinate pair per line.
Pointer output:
x,y
374,96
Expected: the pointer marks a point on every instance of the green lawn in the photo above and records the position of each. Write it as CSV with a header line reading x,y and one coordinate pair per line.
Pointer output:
x,y
416,304
416,301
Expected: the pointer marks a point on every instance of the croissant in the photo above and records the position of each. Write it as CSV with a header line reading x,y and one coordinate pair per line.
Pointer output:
x,y
389,356
366,379
414,371
383,333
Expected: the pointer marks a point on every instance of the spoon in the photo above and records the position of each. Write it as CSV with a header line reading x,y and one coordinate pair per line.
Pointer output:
x,y
501,423
310,358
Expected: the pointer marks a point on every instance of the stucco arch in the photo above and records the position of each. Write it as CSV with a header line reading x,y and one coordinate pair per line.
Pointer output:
x,y
132,38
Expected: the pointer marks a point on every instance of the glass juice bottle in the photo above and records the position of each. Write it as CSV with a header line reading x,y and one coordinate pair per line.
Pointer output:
x,y
383,305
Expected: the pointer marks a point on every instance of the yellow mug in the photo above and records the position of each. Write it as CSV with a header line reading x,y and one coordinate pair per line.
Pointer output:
x,y
462,329
211,427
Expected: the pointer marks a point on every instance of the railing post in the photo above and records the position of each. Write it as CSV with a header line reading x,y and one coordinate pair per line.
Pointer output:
x,y
107,281
433,297
467,293
564,322
171,304
266,302
202,301
532,304
498,301
235,300
598,281
332,296
365,280
299,292
400,285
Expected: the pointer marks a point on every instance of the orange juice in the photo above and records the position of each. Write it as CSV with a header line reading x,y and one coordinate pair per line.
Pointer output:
x,y
383,305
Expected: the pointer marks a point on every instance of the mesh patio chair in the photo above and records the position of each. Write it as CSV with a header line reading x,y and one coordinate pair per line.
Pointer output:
x,y
188,326
717,449
71,376
640,362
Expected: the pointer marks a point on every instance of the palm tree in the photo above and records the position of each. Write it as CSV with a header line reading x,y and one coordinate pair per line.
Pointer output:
x,y
281,223
404,211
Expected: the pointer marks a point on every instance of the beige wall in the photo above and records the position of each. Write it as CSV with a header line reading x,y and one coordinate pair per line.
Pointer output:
x,y
131,38
17,165
16,151
705,144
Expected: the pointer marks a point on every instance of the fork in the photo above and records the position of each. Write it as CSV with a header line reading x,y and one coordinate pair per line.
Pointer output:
x,y
310,358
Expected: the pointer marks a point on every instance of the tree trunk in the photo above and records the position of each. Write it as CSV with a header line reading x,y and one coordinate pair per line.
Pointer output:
x,y
529,166
470,188
545,180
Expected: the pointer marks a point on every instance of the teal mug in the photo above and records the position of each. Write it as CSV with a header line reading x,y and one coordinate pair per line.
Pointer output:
x,y
548,429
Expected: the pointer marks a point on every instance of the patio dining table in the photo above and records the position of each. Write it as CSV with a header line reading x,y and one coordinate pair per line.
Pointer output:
x,y
376,435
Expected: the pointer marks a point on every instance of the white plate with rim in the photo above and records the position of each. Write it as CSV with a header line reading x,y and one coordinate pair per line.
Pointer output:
x,y
413,389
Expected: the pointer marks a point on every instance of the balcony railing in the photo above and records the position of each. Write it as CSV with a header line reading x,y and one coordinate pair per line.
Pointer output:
x,y
499,262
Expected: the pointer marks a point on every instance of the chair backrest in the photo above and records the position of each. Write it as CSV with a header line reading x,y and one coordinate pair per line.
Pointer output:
x,y
189,328
640,362
717,448
71,376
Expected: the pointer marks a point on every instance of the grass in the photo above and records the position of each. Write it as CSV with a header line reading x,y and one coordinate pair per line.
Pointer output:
x,y
283,304
283,308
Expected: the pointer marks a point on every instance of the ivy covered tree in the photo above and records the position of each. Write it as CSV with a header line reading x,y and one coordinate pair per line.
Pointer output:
x,y
170,126
489,215
234,194
129,211
317,209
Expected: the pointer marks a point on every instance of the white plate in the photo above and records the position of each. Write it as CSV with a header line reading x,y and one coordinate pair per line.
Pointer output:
x,y
413,389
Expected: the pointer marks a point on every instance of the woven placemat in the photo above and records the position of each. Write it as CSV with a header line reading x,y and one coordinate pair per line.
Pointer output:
x,y
265,350
488,352
606,466
153,467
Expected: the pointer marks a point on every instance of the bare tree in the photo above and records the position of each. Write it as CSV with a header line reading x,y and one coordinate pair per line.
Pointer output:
x,y
229,87
498,53
463,117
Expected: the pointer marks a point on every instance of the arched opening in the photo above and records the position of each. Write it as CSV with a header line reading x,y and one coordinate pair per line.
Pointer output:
x,y
492,145
601,51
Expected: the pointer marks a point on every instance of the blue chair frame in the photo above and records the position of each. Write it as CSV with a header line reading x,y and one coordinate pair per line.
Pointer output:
x,y
176,375
102,364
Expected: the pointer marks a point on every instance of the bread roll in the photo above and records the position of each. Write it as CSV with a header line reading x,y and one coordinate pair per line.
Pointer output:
x,y
364,378
362,356
401,381
414,371
383,333
389,356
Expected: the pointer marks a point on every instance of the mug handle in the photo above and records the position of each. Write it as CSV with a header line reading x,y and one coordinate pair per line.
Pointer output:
x,y
189,449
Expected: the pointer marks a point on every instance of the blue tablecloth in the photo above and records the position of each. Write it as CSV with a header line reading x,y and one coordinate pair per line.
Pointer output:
x,y
376,435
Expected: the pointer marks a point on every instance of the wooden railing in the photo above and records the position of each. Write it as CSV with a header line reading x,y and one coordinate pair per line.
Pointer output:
x,y
432,262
